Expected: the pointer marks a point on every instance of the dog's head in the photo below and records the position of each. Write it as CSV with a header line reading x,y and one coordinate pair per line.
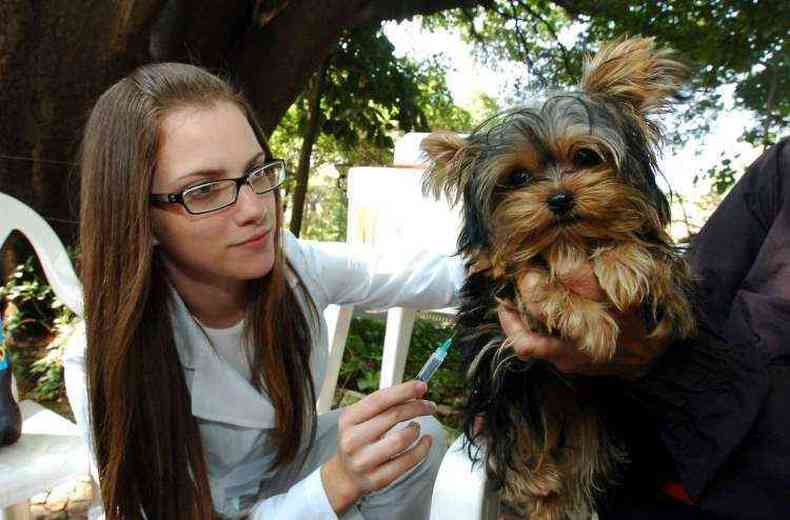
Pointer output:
x,y
576,169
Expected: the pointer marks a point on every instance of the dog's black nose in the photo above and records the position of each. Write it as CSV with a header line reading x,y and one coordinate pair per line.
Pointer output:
x,y
560,203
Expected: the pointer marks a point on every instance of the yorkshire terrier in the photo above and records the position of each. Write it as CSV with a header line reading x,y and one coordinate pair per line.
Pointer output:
x,y
547,190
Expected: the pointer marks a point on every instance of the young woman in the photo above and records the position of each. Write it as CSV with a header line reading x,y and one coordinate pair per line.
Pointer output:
x,y
204,344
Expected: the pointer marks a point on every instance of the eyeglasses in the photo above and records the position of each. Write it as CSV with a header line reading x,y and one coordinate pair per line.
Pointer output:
x,y
215,195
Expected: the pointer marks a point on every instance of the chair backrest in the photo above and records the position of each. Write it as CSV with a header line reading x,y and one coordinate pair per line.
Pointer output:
x,y
387,209
50,251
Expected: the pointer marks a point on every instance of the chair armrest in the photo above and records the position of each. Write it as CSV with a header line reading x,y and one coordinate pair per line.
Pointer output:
x,y
51,254
338,320
49,452
462,490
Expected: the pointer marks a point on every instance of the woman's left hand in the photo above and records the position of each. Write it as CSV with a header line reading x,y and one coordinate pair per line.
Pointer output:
x,y
635,349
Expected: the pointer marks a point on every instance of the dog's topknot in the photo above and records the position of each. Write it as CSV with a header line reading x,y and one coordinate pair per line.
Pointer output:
x,y
633,71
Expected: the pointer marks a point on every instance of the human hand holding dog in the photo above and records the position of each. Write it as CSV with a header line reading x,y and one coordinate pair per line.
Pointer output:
x,y
635,349
369,459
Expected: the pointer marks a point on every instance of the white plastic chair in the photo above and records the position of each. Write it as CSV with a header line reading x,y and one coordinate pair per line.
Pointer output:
x,y
462,490
50,251
50,450
400,323
386,209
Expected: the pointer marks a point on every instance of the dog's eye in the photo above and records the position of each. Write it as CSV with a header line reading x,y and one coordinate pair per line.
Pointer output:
x,y
519,177
586,158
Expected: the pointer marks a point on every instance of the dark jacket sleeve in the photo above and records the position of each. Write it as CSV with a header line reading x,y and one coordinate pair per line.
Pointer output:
x,y
702,398
726,249
714,400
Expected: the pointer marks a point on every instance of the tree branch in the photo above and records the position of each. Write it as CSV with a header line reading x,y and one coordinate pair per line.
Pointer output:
x,y
264,16
376,11
769,106
204,33
314,119
573,11
550,27
274,62
533,69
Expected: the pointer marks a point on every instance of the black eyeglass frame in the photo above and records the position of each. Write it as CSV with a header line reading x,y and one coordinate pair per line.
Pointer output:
x,y
178,197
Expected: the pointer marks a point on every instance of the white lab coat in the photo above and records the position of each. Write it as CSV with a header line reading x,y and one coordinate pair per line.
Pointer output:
x,y
235,421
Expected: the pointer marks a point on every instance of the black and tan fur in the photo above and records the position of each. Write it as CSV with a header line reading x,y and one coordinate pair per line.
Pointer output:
x,y
546,189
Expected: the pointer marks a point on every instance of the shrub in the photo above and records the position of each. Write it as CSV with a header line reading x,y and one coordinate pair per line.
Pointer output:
x,y
39,318
361,367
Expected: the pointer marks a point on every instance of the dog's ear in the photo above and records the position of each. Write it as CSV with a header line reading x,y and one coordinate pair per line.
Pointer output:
x,y
633,71
450,157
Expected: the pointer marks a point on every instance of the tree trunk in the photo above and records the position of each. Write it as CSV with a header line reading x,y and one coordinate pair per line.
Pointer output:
x,y
56,57
310,136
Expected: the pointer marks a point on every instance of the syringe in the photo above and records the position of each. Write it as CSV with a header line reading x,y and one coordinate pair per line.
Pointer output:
x,y
435,361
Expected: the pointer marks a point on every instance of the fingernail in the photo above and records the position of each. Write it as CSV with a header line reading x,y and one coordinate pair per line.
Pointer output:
x,y
432,406
422,387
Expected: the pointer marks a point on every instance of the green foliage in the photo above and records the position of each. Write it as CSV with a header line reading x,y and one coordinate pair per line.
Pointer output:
x,y
35,302
47,371
361,367
438,110
522,32
369,92
740,42
39,317
326,210
370,96
723,175
484,107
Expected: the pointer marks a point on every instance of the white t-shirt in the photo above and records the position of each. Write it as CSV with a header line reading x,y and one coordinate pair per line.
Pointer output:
x,y
229,346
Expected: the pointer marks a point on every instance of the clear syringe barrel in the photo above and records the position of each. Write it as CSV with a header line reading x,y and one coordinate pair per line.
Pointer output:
x,y
430,366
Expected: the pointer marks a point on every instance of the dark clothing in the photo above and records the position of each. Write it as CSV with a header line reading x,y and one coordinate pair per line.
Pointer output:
x,y
714,412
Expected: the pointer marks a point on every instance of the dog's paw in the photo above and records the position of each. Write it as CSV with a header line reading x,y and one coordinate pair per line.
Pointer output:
x,y
624,273
599,332
586,321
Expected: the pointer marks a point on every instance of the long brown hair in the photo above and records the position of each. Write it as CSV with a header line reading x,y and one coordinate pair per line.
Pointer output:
x,y
148,449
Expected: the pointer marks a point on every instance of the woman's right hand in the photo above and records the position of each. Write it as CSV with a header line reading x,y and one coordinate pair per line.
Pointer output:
x,y
369,459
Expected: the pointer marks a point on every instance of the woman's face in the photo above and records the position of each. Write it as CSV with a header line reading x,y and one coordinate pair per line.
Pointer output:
x,y
233,244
